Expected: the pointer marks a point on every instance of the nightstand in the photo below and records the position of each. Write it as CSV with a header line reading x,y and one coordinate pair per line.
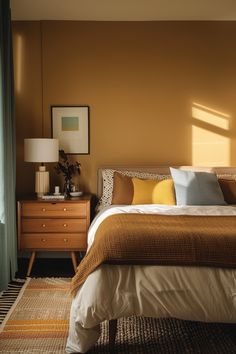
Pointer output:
x,y
53,226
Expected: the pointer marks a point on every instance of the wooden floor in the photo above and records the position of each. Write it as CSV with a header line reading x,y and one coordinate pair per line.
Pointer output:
x,y
46,267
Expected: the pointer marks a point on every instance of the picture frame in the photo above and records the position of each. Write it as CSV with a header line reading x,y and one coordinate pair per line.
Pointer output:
x,y
70,125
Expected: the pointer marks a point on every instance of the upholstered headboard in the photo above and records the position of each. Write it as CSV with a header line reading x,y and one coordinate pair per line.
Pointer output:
x,y
162,170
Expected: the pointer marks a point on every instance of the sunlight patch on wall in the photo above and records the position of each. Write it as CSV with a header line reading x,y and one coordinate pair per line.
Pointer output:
x,y
210,141
210,116
18,63
209,149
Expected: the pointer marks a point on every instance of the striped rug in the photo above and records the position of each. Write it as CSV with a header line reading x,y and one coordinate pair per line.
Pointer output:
x,y
38,323
38,320
9,296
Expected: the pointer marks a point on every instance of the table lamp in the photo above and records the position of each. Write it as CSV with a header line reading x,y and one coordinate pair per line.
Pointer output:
x,y
41,150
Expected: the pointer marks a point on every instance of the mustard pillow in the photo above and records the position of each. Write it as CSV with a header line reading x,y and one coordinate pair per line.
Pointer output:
x,y
153,191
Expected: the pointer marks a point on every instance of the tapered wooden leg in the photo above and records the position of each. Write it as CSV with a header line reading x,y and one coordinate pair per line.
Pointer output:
x,y
112,334
74,260
31,262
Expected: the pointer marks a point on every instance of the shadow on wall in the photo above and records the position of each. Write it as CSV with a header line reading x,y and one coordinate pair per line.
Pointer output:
x,y
210,137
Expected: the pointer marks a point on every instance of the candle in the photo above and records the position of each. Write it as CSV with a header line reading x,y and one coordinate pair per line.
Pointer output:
x,y
57,189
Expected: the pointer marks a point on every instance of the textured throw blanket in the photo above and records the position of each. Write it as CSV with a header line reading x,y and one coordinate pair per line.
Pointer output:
x,y
161,240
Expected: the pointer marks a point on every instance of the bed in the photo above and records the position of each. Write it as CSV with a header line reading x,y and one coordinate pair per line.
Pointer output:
x,y
183,288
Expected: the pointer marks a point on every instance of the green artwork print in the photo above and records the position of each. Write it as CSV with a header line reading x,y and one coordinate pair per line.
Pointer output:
x,y
69,123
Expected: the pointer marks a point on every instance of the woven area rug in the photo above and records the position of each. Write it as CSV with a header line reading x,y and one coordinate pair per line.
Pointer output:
x,y
9,296
38,323
138,335
38,320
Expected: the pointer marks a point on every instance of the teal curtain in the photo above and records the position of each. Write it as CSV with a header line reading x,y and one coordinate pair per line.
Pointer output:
x,y
8,240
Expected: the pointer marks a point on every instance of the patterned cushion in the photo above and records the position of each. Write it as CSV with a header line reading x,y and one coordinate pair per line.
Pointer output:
x,y
107,176
226,176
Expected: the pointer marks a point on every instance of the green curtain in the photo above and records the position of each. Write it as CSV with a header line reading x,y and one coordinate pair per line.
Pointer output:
x,y
8,240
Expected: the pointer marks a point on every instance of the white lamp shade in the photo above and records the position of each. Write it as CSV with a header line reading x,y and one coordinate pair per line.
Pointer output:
x,y
41,150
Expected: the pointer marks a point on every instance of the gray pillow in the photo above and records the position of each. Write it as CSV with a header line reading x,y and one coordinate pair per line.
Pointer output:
x,y
196,188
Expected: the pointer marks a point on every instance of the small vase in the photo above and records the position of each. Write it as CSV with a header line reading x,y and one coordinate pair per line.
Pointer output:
x,y
68,188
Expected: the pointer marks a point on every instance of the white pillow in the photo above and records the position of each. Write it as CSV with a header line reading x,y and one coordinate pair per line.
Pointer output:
x,y
196,188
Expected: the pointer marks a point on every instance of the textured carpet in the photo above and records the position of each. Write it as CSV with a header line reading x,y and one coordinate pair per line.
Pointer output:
x,y
9,296
38,323
168,336
38,320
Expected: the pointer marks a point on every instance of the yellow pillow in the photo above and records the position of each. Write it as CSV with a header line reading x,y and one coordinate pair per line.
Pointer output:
x,y
148,191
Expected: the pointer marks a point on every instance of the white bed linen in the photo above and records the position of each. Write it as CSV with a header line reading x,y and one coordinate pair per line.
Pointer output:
x,y
112,291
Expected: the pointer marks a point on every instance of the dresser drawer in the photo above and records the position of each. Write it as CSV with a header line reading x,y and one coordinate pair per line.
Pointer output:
x,y
54,209
53,225
54,241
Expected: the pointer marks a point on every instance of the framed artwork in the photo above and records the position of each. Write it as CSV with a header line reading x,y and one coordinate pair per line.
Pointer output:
x,y
70,125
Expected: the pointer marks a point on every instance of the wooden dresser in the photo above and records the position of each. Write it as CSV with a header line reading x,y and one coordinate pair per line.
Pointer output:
x,y
53,226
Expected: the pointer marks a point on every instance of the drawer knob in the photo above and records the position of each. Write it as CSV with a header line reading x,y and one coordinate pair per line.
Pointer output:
x,y
65,240
65,225
64,209
43,239
43,225
43,209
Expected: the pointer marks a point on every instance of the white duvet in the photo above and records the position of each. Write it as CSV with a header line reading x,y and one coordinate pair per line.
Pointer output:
x,y
190,293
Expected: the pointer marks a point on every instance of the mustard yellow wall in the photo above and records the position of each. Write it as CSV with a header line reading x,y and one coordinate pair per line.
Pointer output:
x,y
141,81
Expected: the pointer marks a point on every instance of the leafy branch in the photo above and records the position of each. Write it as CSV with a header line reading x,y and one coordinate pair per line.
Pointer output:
x,y
65,167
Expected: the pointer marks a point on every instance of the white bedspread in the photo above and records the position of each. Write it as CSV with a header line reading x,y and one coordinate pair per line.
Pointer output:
x,y
190,293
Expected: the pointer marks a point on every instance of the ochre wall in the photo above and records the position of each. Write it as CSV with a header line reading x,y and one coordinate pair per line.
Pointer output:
x,y
140,80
